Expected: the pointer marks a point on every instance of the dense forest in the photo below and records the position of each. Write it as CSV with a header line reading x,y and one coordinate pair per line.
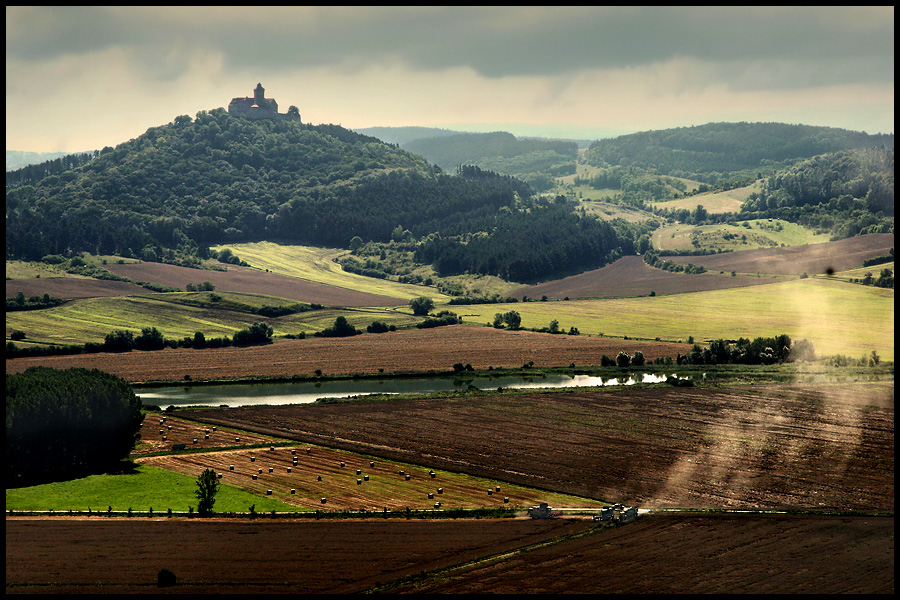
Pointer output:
x,y
718,152
67,423
844,193
177,189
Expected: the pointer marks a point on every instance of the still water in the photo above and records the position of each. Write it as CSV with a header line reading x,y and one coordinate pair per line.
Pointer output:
x,y
305,392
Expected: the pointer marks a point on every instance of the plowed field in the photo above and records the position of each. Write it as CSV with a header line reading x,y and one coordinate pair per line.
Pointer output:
x,y
418,350
810,446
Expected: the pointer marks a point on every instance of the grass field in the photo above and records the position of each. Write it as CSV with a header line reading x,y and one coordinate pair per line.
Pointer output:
x,y
761,234
317,265
90,319
838,318
713,202
148,487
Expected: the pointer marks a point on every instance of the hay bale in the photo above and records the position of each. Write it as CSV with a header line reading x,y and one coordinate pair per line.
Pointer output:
x,y
271,469
195,440
218,475
215,428
253,476
237,439
252,459
207,436
506,500
289,469
359,482
268,492
342,463
164,438
432,473
359,471
207,431
260,471
293,491
490,492
372,463
407,476
294,451
231,467
272,448
497,488
365,477
431,495
323,500
308,450
440,490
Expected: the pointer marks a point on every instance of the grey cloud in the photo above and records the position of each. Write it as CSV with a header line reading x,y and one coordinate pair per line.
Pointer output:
x,y
495,42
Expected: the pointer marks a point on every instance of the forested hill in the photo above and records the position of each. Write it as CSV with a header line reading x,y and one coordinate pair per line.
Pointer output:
x,y
720,151
170,193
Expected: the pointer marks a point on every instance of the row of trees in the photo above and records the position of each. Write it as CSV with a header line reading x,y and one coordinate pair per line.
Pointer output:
x,y
66,423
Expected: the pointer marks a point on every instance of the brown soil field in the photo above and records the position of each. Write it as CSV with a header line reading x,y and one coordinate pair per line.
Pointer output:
x,y
161,432
248,280
631,276
811,259
695,555
257,557
408,351
70,287
791,446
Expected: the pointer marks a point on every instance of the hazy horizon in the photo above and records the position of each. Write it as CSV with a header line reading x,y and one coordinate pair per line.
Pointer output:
x,y
81,78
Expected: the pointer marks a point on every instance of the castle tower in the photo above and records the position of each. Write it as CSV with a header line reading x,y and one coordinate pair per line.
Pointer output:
x,y
259,96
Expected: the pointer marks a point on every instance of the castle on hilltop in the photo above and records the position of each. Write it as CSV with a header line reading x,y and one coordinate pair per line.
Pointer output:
x,y
260,107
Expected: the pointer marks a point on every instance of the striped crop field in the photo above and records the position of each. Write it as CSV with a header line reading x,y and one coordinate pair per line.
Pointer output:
x,y
837,317
317,265
90,319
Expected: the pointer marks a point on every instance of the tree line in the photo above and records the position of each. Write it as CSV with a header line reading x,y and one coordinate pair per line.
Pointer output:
x,y
62,424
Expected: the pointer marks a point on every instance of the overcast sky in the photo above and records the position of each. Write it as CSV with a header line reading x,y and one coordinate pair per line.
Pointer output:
x,y
83,78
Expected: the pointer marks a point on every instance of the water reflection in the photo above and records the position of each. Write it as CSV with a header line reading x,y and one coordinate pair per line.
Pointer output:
x,y
305,392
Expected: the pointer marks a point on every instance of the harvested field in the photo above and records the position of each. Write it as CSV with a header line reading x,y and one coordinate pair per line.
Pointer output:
x,y
815,446
631,276
71,287
696,555
120,556
415,350
811,259
179,431
246,279
347,480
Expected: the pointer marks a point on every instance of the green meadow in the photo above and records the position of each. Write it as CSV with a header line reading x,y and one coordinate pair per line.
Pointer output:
x,y
147,487
837,317
317,265
179,315
760,233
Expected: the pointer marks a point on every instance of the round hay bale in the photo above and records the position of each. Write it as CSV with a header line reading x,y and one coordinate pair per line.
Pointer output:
x,y
260,471
490,492
497,488
268,492
271,469
365,477
440,490
407,476
289,469
254,476
272,448
342,463
170,428
294,451
252,459
195,440
372,463
207,431
359,471
323,500
293,491
218,475
432,473
215,428
506,500
359,482
237,439
308,450
164,438
431,495
207,436
231,467
161,431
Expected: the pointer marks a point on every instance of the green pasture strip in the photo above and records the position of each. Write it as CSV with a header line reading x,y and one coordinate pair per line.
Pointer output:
x,y
236,301
761,234
27,269
317,265
837,317
713,202
860,273
148,487
90,319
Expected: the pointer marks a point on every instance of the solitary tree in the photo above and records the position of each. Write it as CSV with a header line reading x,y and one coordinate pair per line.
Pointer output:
x,y
207,487
622,359
421,306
